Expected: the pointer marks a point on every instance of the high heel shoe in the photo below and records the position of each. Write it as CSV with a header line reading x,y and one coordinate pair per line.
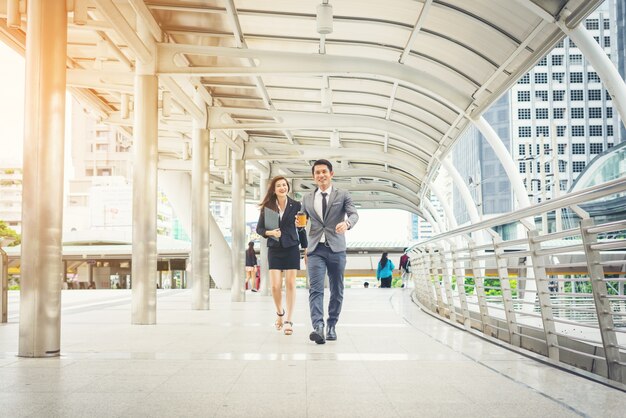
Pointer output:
x,y
279,321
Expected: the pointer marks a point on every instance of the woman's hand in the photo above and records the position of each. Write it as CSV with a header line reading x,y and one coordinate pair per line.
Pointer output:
x,y
274,233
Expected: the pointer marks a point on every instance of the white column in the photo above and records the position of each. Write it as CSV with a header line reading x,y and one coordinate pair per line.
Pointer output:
x,y
517,184
200,195
600,61
265,271
4,286
238,229
145,158
451,220
42,197
463,189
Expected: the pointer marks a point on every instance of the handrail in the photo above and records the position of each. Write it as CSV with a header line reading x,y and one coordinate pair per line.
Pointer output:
x,y
582,196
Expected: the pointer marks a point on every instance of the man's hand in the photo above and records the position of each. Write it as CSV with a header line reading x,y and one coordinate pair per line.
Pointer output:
x,y
341,227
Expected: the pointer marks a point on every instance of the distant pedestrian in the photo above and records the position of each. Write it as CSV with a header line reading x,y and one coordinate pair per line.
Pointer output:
x,y
384,272
405,268
251,263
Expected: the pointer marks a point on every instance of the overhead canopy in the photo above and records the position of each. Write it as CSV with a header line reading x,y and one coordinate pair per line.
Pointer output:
x,y
384,96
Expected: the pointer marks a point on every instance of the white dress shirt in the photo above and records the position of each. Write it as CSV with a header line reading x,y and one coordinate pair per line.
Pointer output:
x,y
317,205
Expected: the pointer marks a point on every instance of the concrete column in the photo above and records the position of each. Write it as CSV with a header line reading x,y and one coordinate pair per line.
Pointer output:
x,y
42,198
238,229
200,190
265,270
145,147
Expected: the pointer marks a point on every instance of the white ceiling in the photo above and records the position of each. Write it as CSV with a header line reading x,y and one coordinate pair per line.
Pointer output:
x,y
405,76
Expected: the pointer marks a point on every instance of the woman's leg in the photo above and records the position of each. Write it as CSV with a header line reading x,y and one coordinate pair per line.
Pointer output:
x,y
290,292
276,281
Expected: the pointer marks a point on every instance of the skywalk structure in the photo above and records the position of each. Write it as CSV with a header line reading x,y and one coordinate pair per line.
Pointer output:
x,y
383,89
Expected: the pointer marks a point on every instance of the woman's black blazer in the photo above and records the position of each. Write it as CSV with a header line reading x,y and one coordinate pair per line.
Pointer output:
x,y
289,234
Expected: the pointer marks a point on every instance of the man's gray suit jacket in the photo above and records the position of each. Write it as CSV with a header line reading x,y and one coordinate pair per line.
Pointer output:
x,y
339,206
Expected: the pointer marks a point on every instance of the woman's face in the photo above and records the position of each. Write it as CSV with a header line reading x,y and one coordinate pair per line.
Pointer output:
x,y
281,188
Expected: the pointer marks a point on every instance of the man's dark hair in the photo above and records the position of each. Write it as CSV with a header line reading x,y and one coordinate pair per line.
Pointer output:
x,y
322,162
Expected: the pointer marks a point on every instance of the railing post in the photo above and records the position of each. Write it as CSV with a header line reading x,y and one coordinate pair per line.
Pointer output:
x,y
507,296
543,294
602,304
447,282
4,287
441,308
479,283
459,271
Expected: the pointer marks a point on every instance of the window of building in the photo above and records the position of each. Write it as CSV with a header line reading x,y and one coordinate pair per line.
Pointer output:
x,y
558,95
523,96
563,185
578,130
538,168
562,166
578,149
577,113
578,166
524,132
595,112
597,39
522,167
525,79
593,77
609,112
543,62
607,96
571,44
595,94
607,41
576,95
595,130
537,149
592,24
559,44
609,145
607,24
558,113
576,77
558,77
541,95
523,113
609,130
546,168
561,148
560,130
576,59
521,149
541,78
541,113
595,148
542,130
557,59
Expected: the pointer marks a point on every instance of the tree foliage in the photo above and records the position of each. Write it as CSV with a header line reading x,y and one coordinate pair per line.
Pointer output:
x,y
7,232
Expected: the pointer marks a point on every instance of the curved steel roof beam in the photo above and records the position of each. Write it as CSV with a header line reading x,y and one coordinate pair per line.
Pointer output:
x,y
280,62
410,184
304,120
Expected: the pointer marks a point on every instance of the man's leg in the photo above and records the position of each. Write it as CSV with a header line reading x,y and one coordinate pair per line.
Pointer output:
x,y
316,266
336,266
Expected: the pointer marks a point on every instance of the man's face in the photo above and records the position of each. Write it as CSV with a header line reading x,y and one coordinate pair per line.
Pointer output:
x,y
322,176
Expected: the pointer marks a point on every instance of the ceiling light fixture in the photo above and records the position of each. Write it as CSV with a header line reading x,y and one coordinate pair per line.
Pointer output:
x,y
324,19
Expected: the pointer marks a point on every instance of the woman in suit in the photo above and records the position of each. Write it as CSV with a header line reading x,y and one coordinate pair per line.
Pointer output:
x,y
283,247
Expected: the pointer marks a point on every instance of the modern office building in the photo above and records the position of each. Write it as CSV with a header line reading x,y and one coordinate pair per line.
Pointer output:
x,y
554,121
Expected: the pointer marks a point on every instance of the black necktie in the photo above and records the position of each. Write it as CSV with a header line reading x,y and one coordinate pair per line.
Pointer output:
x,y
324,205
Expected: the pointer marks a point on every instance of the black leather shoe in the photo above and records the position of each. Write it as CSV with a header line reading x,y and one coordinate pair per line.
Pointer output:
x,y
331,335
318,335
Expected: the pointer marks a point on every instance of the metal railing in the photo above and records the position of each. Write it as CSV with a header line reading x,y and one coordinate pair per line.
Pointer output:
x,y
559,293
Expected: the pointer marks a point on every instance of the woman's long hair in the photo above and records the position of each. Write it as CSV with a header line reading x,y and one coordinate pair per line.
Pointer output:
x,y
383,261
269,201
250,250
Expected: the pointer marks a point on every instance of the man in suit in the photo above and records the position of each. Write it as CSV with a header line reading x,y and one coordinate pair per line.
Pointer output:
x,y
332,213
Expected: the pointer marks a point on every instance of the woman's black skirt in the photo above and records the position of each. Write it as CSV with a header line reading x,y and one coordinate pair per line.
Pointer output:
x,y
284,258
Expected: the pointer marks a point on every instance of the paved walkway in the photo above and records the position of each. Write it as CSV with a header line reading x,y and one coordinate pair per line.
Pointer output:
x,y
390,360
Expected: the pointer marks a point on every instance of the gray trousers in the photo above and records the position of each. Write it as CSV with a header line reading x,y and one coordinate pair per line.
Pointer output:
x,y
320,261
